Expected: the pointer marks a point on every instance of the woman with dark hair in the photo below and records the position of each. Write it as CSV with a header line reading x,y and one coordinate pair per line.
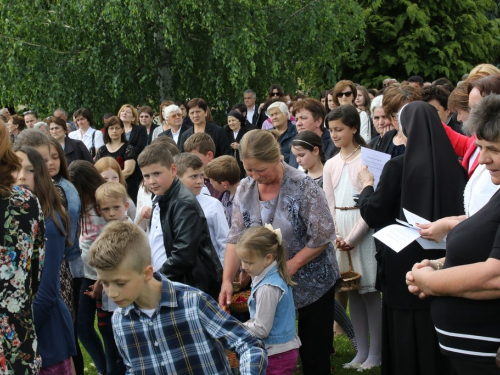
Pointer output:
x,y
120,149
15,125
354,237
344,93
24,259
198,112
135,134
53,323
428,170
146,115
73,149
86,132
279,194
235,130
330,103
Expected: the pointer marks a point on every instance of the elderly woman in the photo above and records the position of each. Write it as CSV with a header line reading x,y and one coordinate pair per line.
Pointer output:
x,y
426,180
164,125
73,149
15,125
279,115
466,283
285,197
381,122
135,134
123,152
173,117
345,92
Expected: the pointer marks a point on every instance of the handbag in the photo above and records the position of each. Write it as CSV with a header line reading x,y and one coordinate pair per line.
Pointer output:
x,y
92,148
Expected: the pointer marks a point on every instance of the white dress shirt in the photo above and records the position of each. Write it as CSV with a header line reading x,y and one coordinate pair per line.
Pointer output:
x,y
87,138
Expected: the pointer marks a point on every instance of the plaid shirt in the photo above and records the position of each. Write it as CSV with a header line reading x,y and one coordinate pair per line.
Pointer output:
x,y
187,334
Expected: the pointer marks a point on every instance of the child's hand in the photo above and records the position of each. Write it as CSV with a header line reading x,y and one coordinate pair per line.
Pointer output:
x,y
94,291
146,213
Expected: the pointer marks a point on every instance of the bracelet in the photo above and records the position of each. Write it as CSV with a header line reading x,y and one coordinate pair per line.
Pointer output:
x,y
439,265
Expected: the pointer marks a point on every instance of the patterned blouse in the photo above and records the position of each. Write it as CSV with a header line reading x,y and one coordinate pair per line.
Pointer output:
x,y
21,262
304,218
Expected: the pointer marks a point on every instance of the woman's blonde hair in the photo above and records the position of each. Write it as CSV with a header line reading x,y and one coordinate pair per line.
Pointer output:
x,y
261,145
108,162
265,241
485,68
134,113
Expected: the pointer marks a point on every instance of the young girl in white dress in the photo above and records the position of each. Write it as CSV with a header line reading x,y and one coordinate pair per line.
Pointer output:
x,y
341,184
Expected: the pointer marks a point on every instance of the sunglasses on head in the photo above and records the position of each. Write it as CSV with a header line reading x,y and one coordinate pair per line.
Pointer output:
x,y
347,94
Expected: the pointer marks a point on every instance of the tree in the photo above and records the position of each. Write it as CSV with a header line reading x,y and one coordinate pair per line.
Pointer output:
x,y
101,54
429,38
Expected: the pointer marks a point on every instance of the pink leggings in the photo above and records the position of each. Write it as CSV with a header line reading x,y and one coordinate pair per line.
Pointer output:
x,y
282,363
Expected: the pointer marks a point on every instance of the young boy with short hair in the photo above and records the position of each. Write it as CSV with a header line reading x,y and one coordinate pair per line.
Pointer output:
x,y
164,327
112,201
190,171
224,175
179,238
203,146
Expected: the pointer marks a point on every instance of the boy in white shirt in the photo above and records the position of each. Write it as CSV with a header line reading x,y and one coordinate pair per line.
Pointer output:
x,y
191,173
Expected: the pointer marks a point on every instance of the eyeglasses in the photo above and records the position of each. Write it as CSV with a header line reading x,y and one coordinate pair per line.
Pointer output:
x,y
346,94
275,94
28,113
176,115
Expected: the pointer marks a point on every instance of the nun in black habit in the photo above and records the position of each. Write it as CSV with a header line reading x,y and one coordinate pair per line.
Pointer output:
x,y
428,181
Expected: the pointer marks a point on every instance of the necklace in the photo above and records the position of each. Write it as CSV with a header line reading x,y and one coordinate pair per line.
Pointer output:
x,y
351,154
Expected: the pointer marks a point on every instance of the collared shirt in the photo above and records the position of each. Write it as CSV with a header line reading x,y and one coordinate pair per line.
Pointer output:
x,y
250,113
87,137
156,243
186,334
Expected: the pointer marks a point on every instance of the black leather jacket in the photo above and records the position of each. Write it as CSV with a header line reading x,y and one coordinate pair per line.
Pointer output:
x,y
191,257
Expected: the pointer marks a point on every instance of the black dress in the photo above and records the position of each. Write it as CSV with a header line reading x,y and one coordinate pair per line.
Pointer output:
x,y
428,181
124,153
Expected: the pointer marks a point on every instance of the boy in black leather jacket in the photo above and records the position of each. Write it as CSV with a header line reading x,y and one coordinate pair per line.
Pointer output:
x,y
179,238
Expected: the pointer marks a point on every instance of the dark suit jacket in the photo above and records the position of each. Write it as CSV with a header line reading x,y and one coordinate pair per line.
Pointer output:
x,y
168,133
138,138
231,139
217,134
255,116
76,150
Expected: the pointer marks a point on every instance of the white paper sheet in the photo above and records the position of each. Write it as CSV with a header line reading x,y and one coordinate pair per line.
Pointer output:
x,y
375,161
397,237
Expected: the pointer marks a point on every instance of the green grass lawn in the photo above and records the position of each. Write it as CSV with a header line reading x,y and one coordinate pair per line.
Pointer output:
x,y
344,353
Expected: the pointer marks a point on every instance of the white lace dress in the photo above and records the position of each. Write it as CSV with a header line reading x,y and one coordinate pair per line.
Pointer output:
x,y
363,254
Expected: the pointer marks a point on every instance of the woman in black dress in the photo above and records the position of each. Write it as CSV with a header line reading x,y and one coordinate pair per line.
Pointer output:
x,y
117,147
428,181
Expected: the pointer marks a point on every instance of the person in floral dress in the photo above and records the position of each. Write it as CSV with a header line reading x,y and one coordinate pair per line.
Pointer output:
x,y
21,261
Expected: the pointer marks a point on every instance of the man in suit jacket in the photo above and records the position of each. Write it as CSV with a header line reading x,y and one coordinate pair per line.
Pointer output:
x,y
249,98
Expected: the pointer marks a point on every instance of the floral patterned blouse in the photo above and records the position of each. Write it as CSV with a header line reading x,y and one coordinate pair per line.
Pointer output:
x,y
304,218
21,262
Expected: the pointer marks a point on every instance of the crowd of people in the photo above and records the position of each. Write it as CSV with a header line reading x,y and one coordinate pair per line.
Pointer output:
x,y
153,223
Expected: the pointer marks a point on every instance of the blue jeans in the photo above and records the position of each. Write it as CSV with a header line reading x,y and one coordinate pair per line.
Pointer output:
x,y
85,328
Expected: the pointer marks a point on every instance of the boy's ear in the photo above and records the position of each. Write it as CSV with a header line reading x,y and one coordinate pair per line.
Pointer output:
x,y
98,209
127,205
173,170
225,184
148,272
210,155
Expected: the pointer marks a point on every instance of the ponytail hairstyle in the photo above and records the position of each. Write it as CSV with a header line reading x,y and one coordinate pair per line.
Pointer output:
x,y
349,116
86,180
308,140
46,192
266,240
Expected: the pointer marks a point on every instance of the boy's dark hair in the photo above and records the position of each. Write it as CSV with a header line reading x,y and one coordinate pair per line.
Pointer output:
x,y
186,160
155,154
223,168
417,79
444,83
436,93
201,142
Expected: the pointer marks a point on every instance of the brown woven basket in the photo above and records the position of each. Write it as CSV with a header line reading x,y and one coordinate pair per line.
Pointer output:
x,y
240,307
232,359
350,278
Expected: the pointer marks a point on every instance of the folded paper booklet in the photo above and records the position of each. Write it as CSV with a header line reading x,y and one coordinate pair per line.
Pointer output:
x,y
397,237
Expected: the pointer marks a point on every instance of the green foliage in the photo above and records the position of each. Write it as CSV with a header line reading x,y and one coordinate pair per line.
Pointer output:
x,y
101,54
429,38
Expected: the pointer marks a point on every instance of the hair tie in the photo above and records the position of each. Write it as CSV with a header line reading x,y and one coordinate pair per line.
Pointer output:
x,y
300,140
277,232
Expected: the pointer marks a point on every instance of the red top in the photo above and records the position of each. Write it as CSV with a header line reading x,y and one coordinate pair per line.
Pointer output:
x,y
464,146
